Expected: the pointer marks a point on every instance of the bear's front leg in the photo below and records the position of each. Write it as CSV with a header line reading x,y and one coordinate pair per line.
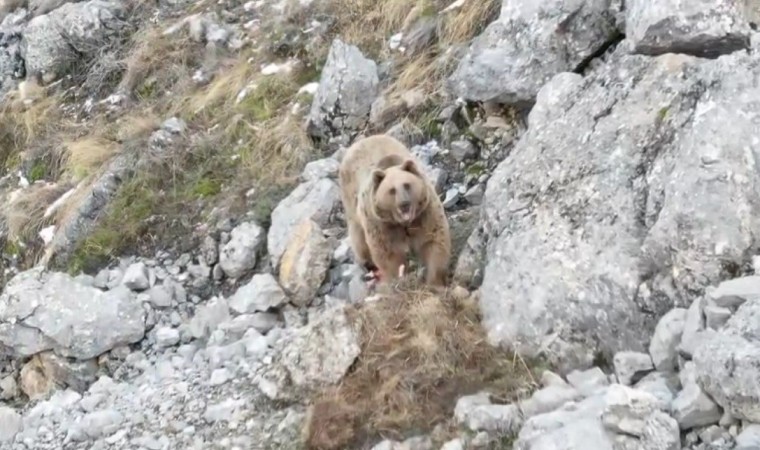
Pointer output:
x,y
435,257
387,255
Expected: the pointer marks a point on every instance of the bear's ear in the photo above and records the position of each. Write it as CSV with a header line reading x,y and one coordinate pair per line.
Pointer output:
x,y
377,176
410,166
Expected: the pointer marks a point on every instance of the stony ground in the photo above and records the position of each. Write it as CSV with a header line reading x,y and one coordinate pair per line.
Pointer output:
x,y
175,263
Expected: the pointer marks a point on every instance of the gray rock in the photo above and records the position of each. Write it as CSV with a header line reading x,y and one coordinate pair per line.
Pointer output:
x,y
208,317
716,316
662,387
474,195
42,310
454,444
305,263
53,41
316,200
321,168
347,88
570,239
705,28
452,197
174,125
101,423
239,255
8,388
588,381
749,438
667,336
501,64
693,408
262,293
575,426
726,363
407,133
321,352
630,367
136,277
260,322
10,424
693,326
225,411
167,337
210,250
548,399
219,377
501,419
462,150
660,433
732,293
161,296
627,410
96,196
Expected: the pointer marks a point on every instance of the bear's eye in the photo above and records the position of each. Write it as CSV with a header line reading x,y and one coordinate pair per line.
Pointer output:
x,y
407,186
393,191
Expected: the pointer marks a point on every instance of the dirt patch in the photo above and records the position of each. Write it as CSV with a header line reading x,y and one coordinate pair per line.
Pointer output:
x,y
421,352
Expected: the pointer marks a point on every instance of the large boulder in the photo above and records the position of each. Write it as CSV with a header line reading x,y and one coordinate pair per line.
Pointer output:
x,y
530,42
706,28
347,88
633,189
316,200
53,42
727,363
42,310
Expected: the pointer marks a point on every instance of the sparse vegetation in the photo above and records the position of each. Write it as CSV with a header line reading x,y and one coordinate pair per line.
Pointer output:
x,y
420,353
247,127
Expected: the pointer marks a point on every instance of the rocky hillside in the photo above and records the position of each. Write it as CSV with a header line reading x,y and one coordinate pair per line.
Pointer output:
x,y
176,271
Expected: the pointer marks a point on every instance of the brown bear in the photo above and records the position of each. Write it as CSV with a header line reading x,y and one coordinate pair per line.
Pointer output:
x,y
391,208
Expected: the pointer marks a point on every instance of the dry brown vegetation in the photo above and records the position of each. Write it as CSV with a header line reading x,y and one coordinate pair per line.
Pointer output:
x,y
420,353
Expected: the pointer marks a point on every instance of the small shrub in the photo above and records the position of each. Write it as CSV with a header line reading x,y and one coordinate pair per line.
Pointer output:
x,y
420,353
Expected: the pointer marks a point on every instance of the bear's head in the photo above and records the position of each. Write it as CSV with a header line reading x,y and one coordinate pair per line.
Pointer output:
x,y
401,193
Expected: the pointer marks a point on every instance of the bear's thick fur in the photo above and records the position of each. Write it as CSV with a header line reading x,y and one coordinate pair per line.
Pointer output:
x,y
391,208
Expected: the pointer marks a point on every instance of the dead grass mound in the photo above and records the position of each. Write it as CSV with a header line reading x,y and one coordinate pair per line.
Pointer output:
x,y
420,353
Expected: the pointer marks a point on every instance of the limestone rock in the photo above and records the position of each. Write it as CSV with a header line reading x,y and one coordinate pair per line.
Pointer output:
x,y
305,263
726,363
732,293
667,336
262,293
693,408
627,410
239,255
477,413
568,235
588,381
52,41
501,64
10,424
315,200
321,352
42,310
630,367
136,277
321,168
705,28
694,324
347,88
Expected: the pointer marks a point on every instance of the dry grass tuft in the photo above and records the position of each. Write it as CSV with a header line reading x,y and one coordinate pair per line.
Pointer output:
x,y
420,353
157,63
25,214
85,156
466,22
